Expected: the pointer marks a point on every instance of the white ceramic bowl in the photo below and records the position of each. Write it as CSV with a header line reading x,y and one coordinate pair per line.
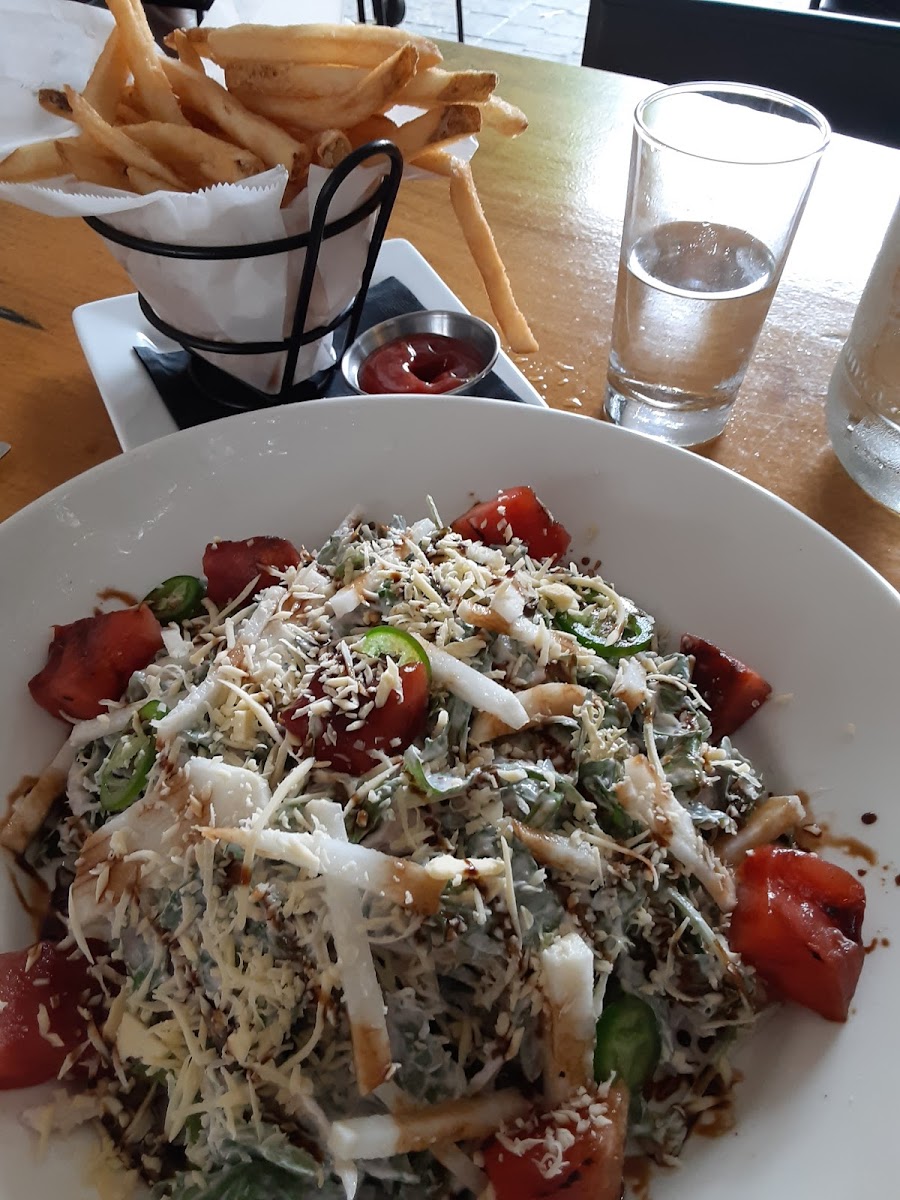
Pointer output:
x,y
696,545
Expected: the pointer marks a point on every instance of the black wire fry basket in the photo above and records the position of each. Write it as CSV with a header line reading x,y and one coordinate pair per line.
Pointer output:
x,y
226,388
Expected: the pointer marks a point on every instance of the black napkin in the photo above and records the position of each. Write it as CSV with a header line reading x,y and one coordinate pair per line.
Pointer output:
x,y
190,404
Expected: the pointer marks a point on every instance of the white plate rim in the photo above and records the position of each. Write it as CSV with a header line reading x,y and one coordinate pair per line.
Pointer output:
x,y
703,464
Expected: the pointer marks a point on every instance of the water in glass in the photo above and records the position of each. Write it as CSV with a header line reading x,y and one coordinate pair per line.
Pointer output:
x,y
692,298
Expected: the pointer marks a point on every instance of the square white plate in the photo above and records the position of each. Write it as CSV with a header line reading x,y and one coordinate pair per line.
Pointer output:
x,y
109,329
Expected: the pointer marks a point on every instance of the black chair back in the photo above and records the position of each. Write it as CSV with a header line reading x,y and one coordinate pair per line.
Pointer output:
x,y
847,67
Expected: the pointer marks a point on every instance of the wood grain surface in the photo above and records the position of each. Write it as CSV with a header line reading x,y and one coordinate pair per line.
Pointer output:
x,y
555,199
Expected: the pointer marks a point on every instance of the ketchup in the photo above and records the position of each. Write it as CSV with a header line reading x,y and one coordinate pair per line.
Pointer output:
x,y
422,362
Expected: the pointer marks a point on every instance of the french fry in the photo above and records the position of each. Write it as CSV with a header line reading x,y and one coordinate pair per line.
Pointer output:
x,y
89,167
116,142
480,241
438,162
436,86
426,88
373,129
437,127
503,117
140,51
103,90
54,101
196,157
264,139
126,115
292,79
31,163
330,148
144,183
295,95
132,99
200,121
348,45
373,92
186,52
294,187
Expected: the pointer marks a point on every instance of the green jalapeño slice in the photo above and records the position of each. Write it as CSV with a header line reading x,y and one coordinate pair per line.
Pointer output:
x,y
637,634
385,641
177,599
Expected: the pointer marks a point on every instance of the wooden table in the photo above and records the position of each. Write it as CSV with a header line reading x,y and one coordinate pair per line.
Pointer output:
x,y
555,199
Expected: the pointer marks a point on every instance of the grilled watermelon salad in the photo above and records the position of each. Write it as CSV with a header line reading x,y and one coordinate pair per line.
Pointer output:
x,y
413,866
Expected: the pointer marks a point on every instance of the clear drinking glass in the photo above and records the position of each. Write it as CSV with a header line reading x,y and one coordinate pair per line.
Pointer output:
x,y
864,393
720,173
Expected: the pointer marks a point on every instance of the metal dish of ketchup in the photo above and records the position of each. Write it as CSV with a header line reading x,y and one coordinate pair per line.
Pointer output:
x,y
426,352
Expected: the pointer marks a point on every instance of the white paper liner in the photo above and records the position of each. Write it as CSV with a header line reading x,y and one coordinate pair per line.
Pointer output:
x,y
55,42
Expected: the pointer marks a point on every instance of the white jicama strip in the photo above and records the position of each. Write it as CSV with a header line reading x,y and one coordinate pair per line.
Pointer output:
x,y
630,683
362,993
544,700
508,602
473,687
422,529
234,792
449,1155
448,868
774,817
177,646
716,877
350,521
349,598
580,859
250,630
484,616
646,795
541,637
404,1133
553,699
532,633
128,849
112,722
207,693
81,801
567,981
290,848
461,1166
27,812
310,579
405,883
288,786
348,1174
189,708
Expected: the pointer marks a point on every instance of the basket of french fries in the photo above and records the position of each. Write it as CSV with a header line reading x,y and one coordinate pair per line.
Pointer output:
x,y
192,163
291,354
